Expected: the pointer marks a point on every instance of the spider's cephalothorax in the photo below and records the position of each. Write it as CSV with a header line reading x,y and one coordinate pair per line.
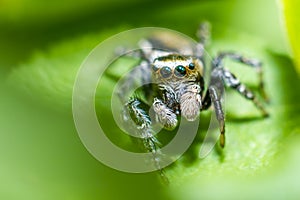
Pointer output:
x,y
180,82
177,86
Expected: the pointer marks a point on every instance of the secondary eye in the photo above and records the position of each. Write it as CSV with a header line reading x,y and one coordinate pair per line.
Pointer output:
x,y
180,71
165,72
191,66
154,68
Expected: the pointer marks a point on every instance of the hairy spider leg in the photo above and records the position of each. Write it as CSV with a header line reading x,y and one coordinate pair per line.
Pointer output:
x,y
144,126
203,34
140,73
213,96
135,107
235,84
254,63
214,93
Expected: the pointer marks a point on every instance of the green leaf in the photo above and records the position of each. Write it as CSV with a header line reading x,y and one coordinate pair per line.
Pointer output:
x,y
253,143
290,9
34,11
43,157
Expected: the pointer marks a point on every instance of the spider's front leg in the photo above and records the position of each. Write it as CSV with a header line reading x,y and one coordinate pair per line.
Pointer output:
x,y
144,126
214,95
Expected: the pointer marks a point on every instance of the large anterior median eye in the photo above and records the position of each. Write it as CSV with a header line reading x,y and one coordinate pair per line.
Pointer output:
x,y
180,71
166,72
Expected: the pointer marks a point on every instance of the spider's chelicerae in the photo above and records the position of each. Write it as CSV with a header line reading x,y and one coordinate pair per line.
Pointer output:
x,y
178,88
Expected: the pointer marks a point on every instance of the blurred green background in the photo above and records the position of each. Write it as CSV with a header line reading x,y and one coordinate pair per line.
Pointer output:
x,y
42,45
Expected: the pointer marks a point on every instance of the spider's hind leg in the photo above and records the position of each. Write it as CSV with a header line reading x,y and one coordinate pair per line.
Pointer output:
x,y
203,35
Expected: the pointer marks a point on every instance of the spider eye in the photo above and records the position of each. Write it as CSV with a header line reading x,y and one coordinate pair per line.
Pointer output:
x,y
166,72
154,68
191,66
180,71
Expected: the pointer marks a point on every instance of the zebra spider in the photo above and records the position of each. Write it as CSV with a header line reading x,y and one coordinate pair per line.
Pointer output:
x,y
178,88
